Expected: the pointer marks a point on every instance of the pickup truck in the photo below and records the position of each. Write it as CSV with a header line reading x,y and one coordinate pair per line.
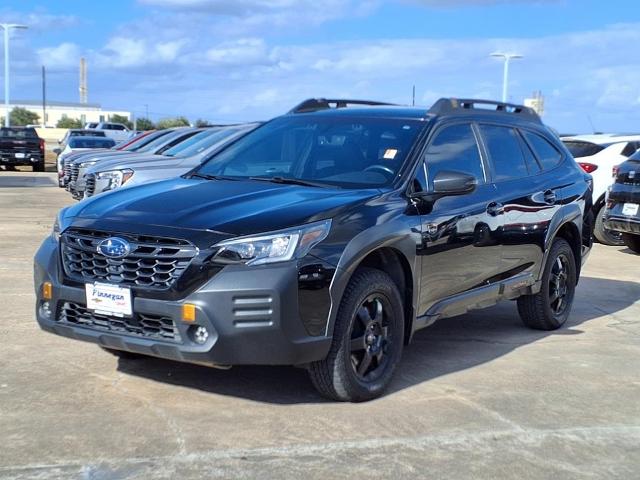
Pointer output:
x,y
117,131
21,146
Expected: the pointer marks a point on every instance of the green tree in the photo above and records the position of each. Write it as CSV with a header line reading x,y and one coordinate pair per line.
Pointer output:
x,y
121,119
202,123
144,124
66,122
172,122
21,117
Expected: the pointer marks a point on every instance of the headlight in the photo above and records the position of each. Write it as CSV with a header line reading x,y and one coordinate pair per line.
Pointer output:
x,y
55,231
115,178
273,247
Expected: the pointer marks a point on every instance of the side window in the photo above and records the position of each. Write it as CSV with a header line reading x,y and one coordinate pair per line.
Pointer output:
x,y
454,148
547,154
117,127
529,157
504,151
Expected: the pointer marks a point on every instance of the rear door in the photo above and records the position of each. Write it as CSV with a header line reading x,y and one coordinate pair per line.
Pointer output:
x,y
528,193
459,249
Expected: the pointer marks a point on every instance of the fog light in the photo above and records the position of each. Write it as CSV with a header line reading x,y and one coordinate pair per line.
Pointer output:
x,y
45,310
200,335
47,291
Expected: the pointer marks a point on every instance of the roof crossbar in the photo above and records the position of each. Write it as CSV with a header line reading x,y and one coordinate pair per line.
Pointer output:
x,y
459,105
314,104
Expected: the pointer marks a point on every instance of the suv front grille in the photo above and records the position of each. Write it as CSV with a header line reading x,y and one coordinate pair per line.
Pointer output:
x,y
157,327
73,172
90,185
152,263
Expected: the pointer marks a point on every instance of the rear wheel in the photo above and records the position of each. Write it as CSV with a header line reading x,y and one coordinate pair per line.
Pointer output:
x,y
367,340
550,307
632,241
38,167
604,236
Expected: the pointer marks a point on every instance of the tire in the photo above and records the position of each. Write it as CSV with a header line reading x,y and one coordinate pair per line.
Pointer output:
x,y
38,167
123,353
369,324
604,236
632,241
541,311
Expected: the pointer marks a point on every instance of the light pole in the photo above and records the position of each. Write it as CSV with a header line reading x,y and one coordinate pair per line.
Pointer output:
x,y
6,27
505,80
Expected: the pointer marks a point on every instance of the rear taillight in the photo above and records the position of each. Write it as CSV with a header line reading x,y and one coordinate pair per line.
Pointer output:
x,y
588,167
42,145
615,170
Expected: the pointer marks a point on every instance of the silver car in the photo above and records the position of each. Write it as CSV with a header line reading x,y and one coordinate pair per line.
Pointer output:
x,y
175,162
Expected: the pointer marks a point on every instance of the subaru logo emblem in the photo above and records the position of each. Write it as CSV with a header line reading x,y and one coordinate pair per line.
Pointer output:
x,y
114,247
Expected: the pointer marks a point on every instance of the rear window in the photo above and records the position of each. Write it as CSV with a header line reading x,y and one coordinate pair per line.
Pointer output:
x,y
547,154
18,133
86,133
582,149
87,142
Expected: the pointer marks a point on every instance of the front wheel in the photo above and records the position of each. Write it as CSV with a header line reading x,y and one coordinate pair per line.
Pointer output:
x,y
367,340
632,241
550,307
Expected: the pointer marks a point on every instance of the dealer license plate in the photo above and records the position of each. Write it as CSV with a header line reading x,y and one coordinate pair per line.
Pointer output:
x,y
630,209
108,299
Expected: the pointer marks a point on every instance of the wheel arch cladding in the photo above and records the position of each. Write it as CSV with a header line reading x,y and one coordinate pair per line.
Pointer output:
x,y
570,232
394,263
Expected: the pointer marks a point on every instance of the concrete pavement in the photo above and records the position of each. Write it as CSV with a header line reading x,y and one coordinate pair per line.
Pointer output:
x,y
478,396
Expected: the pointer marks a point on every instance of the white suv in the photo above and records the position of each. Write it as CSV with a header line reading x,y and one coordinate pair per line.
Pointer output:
x,y
117,131
597,155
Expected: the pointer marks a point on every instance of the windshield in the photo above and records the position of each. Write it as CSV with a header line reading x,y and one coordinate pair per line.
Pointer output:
x,y
215,136
87,142
158,142
180,147
337,151
582,149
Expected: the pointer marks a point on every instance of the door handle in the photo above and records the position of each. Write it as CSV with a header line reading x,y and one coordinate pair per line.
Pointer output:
x,y
550,197
494,209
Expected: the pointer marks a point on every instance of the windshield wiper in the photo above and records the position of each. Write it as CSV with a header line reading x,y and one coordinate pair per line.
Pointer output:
x,y
210,177
289,181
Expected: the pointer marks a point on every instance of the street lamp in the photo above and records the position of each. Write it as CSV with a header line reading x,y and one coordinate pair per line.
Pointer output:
x,y
6,27
505,81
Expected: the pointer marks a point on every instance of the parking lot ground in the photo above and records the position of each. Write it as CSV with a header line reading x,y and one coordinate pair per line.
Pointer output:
x,y
477,396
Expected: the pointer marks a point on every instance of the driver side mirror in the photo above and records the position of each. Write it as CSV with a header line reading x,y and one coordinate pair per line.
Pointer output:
x,y
448,183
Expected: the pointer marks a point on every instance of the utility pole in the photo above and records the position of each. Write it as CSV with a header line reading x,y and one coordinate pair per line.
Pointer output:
x,y
413,97
505,76
6,27
44,97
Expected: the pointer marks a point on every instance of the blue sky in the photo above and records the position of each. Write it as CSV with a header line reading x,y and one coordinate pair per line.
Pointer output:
x,y
235,60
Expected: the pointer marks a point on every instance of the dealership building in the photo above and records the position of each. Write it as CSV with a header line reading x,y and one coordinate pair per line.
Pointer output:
x,y
55,111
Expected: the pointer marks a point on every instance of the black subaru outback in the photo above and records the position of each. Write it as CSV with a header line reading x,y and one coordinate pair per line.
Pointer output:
x,y
326,238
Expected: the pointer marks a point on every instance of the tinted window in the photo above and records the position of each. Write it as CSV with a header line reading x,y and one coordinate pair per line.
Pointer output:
x,y
332,150
88,142
547,154
504,150
532,164
582,149
629,149
454,148
18,132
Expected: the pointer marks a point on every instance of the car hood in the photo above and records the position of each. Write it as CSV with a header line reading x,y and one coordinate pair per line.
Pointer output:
x,y
223,206
129,161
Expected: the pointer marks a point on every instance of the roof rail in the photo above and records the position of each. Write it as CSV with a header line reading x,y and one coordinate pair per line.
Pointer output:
x,y
459,105
314,104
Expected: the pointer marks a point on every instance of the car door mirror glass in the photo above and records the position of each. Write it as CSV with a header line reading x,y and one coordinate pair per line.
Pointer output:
x,y
448,182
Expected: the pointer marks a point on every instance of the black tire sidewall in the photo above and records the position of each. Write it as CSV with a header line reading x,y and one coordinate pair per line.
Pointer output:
x,y
560,246
602,234
632,241
369,281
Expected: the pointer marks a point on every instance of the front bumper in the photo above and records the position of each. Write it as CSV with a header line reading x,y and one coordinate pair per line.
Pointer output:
x,y
251,318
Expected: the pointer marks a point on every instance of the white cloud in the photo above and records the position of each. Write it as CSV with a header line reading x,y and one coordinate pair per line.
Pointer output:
x,y
63,56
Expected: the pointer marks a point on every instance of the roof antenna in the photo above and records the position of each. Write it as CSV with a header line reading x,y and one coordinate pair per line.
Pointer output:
x,y
593,128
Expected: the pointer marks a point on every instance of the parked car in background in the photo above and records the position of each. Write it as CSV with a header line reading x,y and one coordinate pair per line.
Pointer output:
x,y
117,131
91,124
79,167
325,239
177,161
21,146
623,203
76,144
78,132
597,155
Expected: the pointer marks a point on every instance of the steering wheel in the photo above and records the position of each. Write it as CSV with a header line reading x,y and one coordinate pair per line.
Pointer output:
x,y
380,168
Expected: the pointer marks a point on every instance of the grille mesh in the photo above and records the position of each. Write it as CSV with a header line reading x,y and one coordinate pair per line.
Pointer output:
x,y
155,327
153,263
